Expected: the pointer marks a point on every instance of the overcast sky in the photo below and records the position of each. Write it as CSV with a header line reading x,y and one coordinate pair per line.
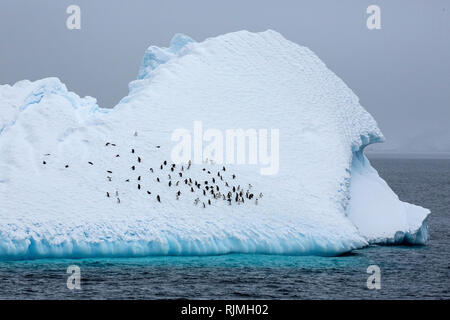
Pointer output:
x,y
401,73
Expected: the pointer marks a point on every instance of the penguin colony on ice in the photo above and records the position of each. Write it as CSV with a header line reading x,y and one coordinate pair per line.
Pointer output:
x,y
216,185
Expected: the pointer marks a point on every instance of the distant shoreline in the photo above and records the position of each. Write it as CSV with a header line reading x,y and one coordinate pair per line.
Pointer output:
x,y
410,155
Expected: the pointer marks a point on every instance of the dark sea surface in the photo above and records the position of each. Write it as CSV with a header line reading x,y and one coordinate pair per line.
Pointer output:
x,y
407,272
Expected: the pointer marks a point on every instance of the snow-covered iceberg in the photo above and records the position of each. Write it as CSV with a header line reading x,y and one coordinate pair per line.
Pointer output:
x,y
65,162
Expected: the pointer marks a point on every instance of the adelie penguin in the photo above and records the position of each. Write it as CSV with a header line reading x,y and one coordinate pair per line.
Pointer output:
x,y
43,162
90,163
139,178
132,150
158,198
66,166
107,194
109,171
133,168
139,159
148,192
139,186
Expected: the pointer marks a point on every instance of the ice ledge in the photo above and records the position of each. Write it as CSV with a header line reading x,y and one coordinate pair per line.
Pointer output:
x,y
378,213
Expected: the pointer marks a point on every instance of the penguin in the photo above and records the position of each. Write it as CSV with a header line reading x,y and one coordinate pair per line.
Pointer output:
x,y
157,179
113,144
135,133
109,171
47,154
158,198
182,168
250,196
107,144
132,150
256,201
109,178
234,176
207,187
133,168
139,159
90,163
158,147
179,193
139,178
66,166
206,182
209,201
213,180
260,194
226,184
43,162
148,192
217,188
161,167
170,183
229,201
170,177
204,205
151,170
204,169
209,172
250,186
192,189
180,174
223,168
165,162
117,193
178,182
234,189
118,200
139,186
128,180
171,169
204,192
107,194
117,156
185,181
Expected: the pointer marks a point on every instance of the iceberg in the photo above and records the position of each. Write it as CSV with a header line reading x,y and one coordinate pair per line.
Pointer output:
x,y
78,180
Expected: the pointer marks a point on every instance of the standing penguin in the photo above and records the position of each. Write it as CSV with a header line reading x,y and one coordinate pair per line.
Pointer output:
x,y
158,198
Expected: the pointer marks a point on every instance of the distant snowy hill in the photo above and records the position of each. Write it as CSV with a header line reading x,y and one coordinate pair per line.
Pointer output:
x,y
77,180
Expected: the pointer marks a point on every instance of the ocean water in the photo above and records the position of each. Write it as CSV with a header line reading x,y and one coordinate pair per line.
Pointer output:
x,y
407,272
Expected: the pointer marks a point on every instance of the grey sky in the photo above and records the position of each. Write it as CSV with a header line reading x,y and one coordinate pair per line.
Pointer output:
x,y
401,73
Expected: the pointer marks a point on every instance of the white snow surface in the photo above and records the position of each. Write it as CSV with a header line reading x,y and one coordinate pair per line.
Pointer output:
x,y
326,199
